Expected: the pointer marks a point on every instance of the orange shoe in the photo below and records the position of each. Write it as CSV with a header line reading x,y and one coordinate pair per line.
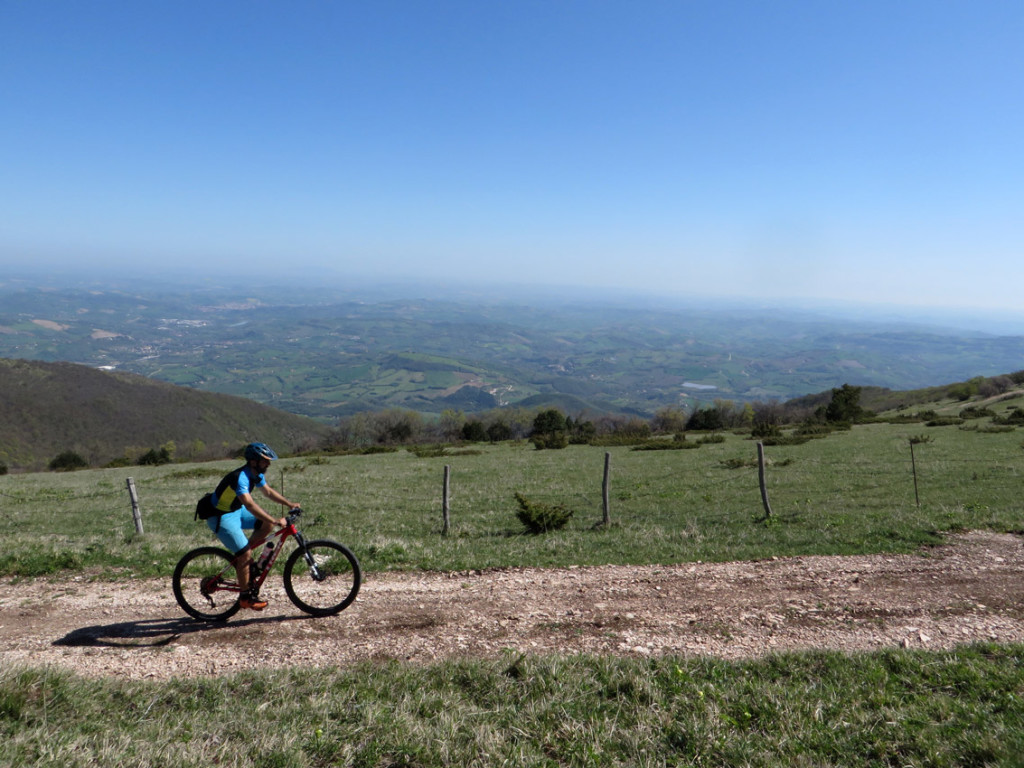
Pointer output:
x,y
252,602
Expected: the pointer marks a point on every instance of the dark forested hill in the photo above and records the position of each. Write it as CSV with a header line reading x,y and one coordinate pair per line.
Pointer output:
x,y
49,408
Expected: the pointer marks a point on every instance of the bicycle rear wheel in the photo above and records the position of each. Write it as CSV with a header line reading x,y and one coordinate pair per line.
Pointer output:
x,y
205,586
323,578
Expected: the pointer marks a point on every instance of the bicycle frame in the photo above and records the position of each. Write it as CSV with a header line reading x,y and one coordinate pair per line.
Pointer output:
x,y
258,575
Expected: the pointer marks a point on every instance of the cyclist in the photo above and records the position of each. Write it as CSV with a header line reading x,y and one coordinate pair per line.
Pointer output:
x,y
236,510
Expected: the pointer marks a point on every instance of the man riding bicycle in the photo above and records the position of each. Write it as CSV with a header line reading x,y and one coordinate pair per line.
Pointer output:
x,y
236,510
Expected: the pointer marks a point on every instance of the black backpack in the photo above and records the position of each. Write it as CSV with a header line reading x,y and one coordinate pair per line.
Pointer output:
x,y
205,509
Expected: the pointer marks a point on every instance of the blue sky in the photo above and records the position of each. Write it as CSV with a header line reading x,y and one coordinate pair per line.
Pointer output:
x,y
862,151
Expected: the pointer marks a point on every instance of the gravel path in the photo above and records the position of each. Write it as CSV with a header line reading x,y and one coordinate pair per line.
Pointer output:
x,y
967,591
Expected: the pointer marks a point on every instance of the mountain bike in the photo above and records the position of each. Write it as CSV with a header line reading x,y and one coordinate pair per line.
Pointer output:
x,y
321,577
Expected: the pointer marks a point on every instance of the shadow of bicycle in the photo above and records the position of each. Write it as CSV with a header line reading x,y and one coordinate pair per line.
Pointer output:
x,y
153,633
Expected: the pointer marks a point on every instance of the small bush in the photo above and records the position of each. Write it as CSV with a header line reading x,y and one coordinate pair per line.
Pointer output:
x,y
155,457
541,518
765,429
945,421
553,440
3,468
677,443
68,461
974,412
1014,417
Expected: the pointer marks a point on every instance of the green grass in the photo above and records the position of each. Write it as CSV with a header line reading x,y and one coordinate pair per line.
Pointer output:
x,y
963,708
850,493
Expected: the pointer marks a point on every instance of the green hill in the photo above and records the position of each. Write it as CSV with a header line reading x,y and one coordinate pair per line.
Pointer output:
x,y
49,408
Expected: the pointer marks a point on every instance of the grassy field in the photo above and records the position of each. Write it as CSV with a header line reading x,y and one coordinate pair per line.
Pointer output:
x,y
852,492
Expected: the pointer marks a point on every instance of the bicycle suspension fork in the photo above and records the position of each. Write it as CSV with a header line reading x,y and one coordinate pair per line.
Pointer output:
x,y
314,571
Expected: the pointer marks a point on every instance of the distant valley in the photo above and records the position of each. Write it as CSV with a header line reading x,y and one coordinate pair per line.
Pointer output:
x,y
332,355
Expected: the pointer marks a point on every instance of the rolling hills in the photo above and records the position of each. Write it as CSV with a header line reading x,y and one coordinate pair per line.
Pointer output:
x,y
48,408
330,354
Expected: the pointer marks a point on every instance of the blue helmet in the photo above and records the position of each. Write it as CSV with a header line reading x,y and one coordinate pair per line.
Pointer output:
x,y
259,451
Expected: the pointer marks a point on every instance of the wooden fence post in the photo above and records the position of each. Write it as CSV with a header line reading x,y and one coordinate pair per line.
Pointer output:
x,y
913,464
760,478
444,500
605,485
136,512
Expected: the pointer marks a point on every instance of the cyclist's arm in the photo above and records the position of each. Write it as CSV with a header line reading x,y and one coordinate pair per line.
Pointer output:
x,y
273,495
258,511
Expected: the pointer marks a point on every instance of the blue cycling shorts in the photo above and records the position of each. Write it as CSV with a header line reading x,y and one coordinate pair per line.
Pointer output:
x,y
231,526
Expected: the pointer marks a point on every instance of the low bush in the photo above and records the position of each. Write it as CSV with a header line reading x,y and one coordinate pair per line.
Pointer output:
x,y
1014,417
541,518
974,412
68,461
552,440
945,421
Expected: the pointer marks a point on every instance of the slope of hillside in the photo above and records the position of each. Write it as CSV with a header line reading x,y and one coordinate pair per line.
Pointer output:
x,y
47,408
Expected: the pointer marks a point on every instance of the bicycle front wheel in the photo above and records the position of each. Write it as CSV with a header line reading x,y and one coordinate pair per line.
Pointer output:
x,y
323,578
205,586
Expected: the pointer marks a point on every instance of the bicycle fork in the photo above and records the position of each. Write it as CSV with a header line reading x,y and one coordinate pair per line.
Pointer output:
x,y
314,571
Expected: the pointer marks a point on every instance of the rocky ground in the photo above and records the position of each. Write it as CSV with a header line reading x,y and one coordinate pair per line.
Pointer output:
x,y
967,591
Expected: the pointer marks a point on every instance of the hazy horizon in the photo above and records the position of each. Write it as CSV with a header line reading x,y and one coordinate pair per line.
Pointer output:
x,y
296,287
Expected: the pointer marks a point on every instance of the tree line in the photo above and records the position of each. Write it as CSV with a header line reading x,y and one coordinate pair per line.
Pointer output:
x,y
551,428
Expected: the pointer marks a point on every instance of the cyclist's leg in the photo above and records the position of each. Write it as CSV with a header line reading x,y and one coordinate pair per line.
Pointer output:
x,y
229,529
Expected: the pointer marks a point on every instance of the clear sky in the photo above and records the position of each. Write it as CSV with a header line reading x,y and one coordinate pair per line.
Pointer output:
x,y
868,150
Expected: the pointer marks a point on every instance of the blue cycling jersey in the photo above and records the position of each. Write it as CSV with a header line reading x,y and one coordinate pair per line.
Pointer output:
x,y
235,484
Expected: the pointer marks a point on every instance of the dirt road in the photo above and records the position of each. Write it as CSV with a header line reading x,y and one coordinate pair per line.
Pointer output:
x,y
967,591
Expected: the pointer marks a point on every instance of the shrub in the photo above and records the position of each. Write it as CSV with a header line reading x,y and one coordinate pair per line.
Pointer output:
x,y
541,518
765,429
944,421
3,468
499,432
1014,417
554,440
580,432
155,457
474,432
707,419
974,412
68,461
677,443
